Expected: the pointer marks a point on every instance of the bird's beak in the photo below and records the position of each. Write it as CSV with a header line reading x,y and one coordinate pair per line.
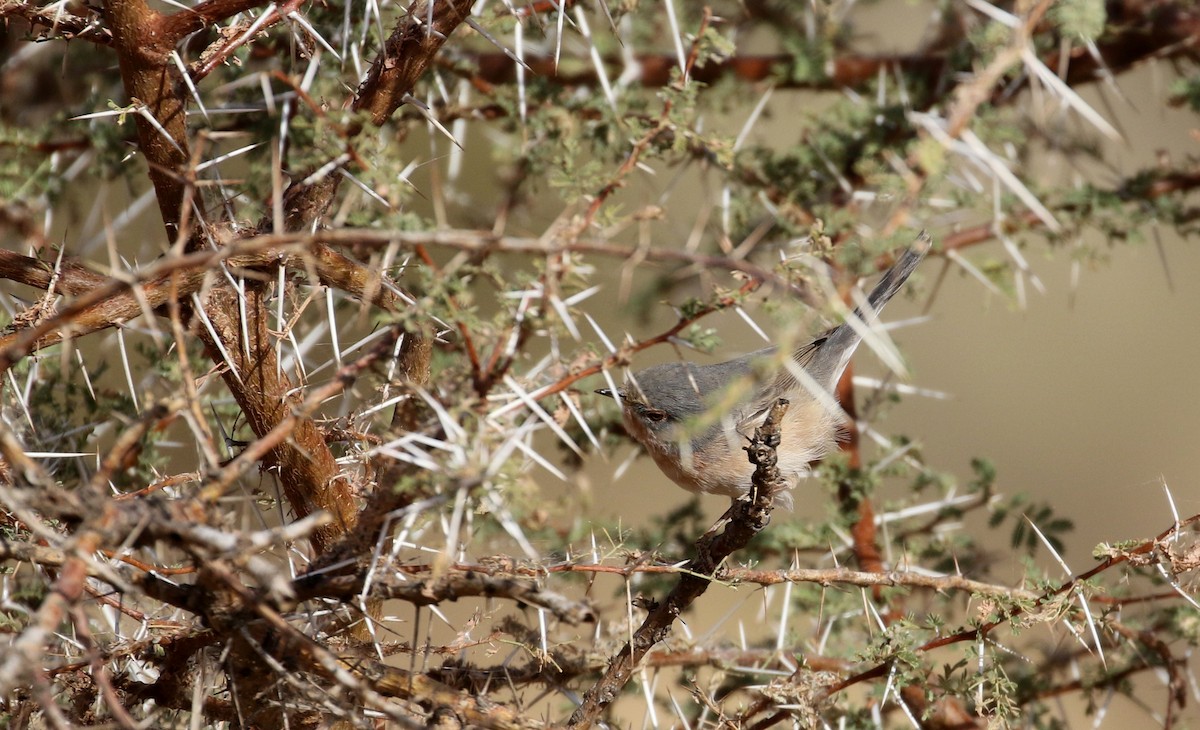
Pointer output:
x,y
609,393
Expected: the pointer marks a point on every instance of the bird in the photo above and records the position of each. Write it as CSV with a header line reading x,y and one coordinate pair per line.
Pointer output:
x,y
694,420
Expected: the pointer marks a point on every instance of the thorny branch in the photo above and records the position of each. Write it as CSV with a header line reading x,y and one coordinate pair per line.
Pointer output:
x,y
246,605
1145,31
746,518
1031,606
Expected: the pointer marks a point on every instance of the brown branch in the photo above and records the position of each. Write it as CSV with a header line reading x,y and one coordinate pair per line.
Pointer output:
x,y
26,653
307,469
177,640
258,449
150,82
412,366
370,680
73,276
391,681
661,126
431,588
968,96
235,37
866,547
58,21
99,672
303,463
1140,30
1174,667
30,553
1170,182
481,242
93,310
975,633
1136,555
104,302
747,517
656,70
566,662
171,481
422,585
406,54
209,12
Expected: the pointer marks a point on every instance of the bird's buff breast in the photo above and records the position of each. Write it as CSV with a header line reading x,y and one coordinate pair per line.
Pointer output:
x,y
719,465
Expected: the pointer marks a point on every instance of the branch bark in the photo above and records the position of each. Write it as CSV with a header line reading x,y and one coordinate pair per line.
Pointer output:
x,y
747,517
105,302
143,52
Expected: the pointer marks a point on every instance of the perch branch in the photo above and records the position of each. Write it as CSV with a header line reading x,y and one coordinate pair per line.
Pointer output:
x,y
747,517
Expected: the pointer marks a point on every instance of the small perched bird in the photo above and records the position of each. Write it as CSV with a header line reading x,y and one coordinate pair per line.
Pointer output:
x,y
695,419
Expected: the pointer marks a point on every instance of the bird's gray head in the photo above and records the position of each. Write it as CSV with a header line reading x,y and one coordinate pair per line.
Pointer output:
x,y
659,399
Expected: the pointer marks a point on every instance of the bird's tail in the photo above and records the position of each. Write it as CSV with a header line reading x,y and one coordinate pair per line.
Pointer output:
x,y
826,358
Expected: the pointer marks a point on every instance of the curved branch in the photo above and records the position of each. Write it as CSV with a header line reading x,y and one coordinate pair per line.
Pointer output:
x,y
406,54
150,82
209,12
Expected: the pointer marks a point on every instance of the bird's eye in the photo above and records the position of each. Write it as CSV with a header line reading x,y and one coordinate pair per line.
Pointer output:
x,y
653,415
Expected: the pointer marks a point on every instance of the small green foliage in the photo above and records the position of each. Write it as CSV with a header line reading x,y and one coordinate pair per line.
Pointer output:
x,y
1111,550
679,99
928,479
667,538
11,622
692,308
1186,91
987,39
985,475
576,180
810,60
787,536
1185,622
856,483
999,692
931,155
1024,511
713,46
1082,19
704,339
849,144
935,623
28,592
896,644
